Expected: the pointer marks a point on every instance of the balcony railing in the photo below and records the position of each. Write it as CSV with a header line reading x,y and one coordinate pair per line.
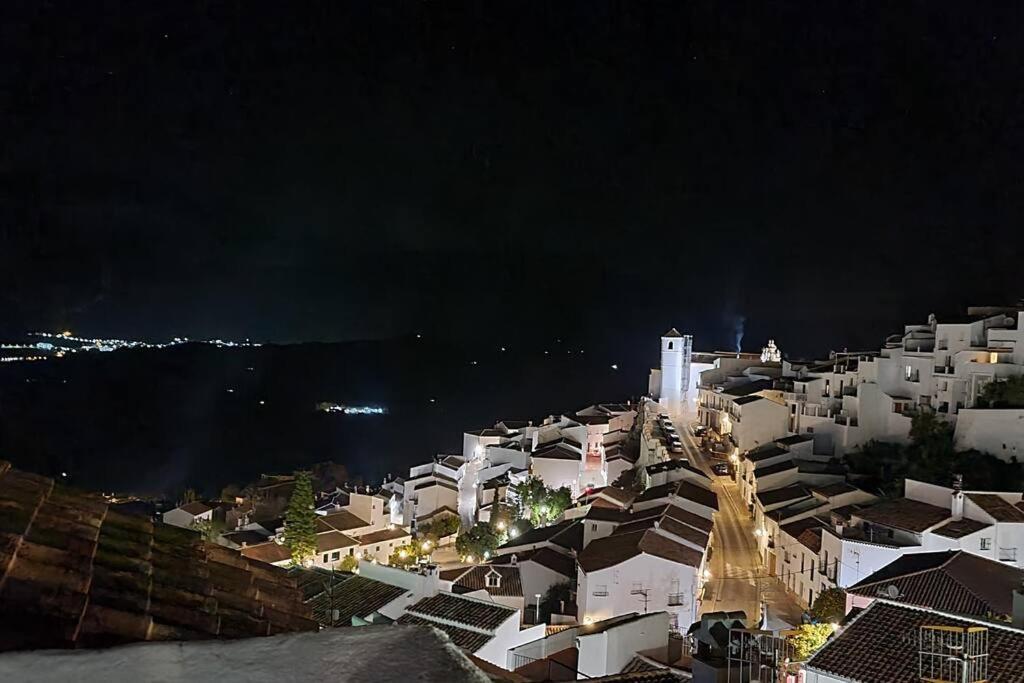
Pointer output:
x,y
1007,554
675,599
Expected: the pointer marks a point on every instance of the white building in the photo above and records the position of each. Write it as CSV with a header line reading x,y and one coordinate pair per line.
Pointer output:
x,y
188,514
652,559
942,365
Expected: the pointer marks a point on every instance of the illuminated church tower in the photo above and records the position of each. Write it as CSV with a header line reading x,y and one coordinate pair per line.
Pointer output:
x,y
675,371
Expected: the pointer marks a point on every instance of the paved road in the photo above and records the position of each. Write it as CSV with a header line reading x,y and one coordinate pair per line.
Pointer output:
x,y
738,580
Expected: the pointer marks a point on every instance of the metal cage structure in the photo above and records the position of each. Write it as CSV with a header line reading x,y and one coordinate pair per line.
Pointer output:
x,y
953,654
756,656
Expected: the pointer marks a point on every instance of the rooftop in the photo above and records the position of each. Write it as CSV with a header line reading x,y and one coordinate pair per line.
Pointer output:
x,y
463,610
75,573
343,520
958,528
906,514
360,597
196,507
782,494
475,578
383,535
951,581
997,506
382,653
882,644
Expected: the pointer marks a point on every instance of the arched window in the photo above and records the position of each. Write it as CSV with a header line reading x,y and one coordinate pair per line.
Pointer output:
x,y
670,346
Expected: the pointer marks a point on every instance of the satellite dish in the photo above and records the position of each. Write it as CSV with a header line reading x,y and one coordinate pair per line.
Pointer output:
x,y
892,592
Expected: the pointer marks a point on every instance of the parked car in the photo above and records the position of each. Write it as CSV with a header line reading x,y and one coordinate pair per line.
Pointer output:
x,y
720,468
699,430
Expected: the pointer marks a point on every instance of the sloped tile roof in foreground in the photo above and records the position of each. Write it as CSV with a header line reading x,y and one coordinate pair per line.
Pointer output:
x,y
881,644
76,573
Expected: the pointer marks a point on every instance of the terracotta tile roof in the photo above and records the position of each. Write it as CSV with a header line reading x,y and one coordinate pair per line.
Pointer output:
x,y
811,539
775,468
679,514
472,613
383,535
621,496
906,514
881,644
698,494
835,489
958,528
268,552
342,520
1000,509
470,641
951,581
797,528
570,538
619,547
782,494
195,507
510,584
318,586
75,573
538,535
555,561
333,540
360,597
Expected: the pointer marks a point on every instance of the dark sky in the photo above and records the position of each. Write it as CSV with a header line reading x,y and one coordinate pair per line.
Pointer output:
x,y
508,170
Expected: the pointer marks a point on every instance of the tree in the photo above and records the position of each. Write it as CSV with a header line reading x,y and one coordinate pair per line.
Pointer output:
x,y
209,529
189,496
478,541
300,521
809,638
349,563
405,555
539,503
1008,393
442,526
553,599
830,605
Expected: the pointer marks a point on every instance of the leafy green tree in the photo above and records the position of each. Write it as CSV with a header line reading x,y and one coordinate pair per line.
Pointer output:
x,y
300,521
349,563
478,541
409,554
830,605
442,526
808,639
539,503
1008,393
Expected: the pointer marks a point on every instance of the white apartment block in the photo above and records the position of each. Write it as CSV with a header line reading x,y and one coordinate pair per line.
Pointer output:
x,y
841,538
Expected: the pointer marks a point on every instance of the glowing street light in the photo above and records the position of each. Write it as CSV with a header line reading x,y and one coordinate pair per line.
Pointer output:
x,y
501,525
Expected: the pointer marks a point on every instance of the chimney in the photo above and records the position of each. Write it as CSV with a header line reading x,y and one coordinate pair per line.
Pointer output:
x,y
956,504
1017,619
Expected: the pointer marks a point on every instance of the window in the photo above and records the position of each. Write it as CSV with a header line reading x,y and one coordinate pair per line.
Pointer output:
x,y
493,580
336,555
670,346
325,558
351,552
601,590
377,550
986,544
593,527
908,371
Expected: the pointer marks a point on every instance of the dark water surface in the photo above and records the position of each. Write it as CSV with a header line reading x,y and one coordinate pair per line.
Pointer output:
x,y
156,421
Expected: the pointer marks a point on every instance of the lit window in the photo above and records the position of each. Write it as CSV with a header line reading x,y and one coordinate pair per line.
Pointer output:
x,y
993,357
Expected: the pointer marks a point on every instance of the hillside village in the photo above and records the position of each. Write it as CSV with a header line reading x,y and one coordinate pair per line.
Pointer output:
x,y
712,519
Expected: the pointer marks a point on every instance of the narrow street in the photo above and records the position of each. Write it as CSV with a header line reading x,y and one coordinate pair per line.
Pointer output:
x,y
738,581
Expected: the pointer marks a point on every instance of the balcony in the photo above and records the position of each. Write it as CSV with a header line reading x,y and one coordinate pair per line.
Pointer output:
x,y
675,599
846,420
1007,554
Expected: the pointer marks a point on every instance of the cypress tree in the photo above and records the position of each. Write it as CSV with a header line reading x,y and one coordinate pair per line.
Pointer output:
x,y
300,521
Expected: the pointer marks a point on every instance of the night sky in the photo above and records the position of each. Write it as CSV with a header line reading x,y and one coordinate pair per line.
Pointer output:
x,y
508,172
